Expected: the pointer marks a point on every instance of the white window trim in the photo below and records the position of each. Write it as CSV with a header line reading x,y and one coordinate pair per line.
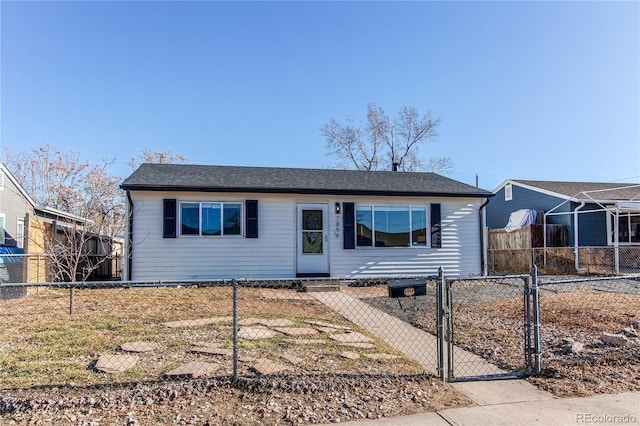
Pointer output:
x,y
200,203
610,218
410,246
508,192
4,225
19,234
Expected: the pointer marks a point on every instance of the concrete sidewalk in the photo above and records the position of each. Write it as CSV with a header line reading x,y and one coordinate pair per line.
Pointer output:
x,y
614,409
497,402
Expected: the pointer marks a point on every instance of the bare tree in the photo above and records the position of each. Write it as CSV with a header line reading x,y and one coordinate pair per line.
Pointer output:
x,y
82,206
81,209
382,142
149,156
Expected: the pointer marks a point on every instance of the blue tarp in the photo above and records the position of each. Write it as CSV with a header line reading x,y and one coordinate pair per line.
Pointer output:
x,y
4,250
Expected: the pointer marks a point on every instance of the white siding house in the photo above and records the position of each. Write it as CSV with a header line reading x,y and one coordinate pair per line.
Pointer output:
x,y
192,222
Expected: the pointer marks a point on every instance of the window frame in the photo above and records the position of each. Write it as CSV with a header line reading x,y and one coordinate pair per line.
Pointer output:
x,y
221,204
3,234
411,207
508,192
20,232
611,227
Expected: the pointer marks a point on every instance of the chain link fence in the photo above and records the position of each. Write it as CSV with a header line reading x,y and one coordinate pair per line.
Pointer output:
x,y
590,335
490,326
95,334
391,336
39,268
562,260
332,349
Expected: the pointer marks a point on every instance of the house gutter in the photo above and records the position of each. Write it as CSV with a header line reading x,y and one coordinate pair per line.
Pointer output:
x,y
483,249
575,234
130,237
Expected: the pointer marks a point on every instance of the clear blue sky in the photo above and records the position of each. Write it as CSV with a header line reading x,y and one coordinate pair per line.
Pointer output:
x,y
531,90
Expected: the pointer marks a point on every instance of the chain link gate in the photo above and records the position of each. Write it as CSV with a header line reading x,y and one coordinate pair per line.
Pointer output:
x,y
488,327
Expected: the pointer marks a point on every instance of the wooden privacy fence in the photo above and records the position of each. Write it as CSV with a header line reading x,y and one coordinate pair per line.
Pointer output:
x,y
531,236
517,251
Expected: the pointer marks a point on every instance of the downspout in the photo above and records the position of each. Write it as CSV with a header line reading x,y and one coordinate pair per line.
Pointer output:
x,y
544,239
483,265
130,237
575,235
616,240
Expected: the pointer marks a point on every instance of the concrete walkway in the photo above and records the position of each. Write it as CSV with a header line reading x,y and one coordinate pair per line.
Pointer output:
x,y
411,341
498,402
613,409
422,347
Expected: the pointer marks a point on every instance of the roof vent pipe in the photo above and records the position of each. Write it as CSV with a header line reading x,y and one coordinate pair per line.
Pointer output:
x,y
394,167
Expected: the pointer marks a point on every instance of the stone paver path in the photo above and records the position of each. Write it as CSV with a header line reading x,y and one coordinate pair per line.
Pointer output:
x,y
352,337
139,347
297,331
358,345
255,333
208,350
266,367
114,364
306,341
324,324
197,322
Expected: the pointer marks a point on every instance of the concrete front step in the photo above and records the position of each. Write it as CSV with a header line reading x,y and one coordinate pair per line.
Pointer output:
x,y
313,287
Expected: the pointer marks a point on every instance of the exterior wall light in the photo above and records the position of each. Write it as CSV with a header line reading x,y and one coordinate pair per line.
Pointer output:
x,y
337,208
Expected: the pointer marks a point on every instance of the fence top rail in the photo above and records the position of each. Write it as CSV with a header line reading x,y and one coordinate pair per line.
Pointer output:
x,y
117,284
491,277
208,282
592,279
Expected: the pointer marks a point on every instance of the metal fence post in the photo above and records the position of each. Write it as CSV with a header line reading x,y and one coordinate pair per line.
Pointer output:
x,y
71,299
537,368
527,322
235,329
440,325
449,313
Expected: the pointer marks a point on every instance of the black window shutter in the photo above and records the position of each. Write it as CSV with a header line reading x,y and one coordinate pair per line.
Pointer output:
x,y
348,226
436,226
169,209
251,218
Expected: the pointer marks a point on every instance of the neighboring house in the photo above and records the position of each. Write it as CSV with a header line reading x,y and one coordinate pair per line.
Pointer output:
x,y
598,214
23,226
190,222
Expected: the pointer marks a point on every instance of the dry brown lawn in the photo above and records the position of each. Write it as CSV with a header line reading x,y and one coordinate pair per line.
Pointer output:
x,y
47,357
43,344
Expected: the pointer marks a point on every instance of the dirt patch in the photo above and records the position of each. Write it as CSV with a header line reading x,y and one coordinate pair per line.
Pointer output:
x,y
252,401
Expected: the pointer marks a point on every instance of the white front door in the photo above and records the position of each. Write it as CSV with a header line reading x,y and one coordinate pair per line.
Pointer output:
x,y
312,237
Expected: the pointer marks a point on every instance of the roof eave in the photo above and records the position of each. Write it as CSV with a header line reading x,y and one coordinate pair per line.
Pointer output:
x,y
306,191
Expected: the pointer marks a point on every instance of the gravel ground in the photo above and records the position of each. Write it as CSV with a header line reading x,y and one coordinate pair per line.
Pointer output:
x,y
285,400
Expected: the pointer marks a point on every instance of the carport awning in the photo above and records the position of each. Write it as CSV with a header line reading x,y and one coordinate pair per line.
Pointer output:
x,y
628,206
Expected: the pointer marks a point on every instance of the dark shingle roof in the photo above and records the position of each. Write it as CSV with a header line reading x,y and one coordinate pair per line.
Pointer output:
x,y
587,190
186,177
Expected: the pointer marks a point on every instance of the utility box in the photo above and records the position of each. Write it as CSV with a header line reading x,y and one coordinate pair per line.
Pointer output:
x,y
407,288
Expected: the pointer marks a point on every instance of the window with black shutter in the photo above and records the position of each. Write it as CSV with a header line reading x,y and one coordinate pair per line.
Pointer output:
x,y
348,227
436,226
251,218
169,209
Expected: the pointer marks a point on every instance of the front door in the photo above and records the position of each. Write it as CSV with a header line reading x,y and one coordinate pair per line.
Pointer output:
x,y
312,237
